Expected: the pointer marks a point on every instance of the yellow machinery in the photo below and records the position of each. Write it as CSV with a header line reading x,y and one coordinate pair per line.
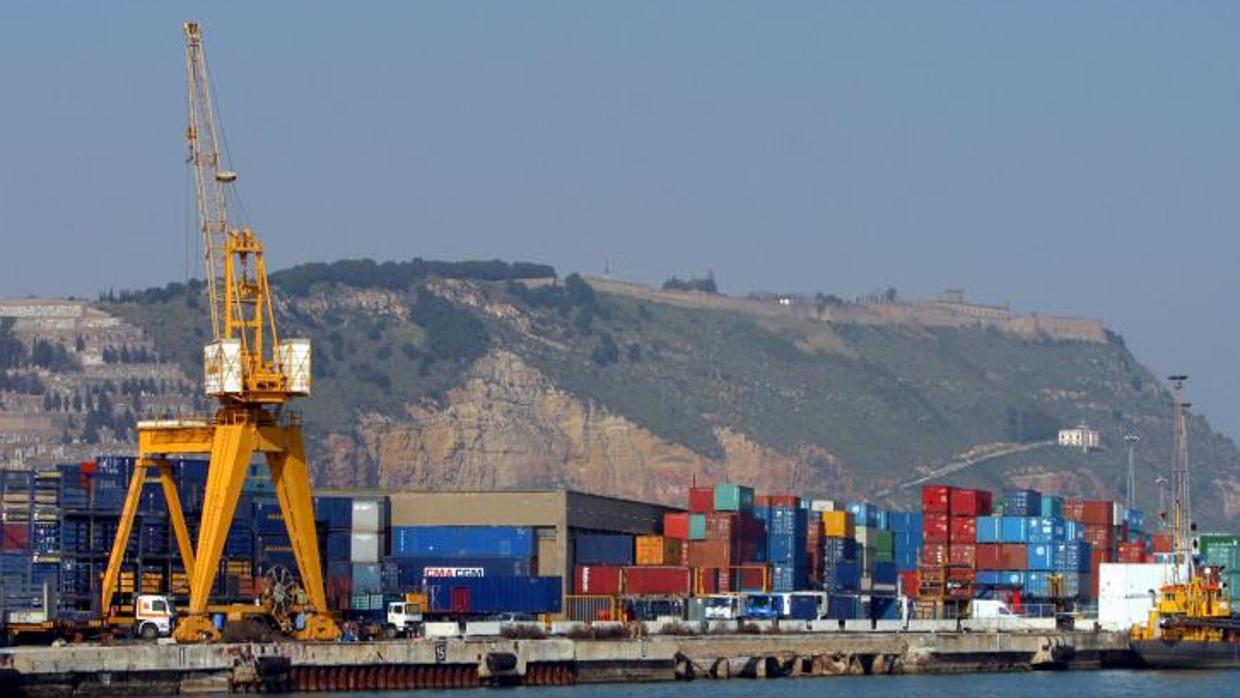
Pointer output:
x,y
1194,607
253,374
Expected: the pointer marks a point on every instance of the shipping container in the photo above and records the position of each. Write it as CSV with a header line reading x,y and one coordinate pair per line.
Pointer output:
x,y
657,550
1022,503
1098,513
935,499
369,515
410,572
603,549
730,497
598,579
701,500
970,503
366,547
864,514
962,554
963,529
494,595
837,524
336,513
662,581
463,541
676,526
936,528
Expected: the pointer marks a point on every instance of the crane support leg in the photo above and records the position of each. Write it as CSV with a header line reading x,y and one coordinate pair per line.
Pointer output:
x,y
123,529
175,514
231,450
291,478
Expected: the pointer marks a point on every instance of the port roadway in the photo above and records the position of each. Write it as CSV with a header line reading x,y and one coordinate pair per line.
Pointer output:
x,y
589,657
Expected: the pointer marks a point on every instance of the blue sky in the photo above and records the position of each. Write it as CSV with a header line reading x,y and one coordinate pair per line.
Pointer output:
x,y
1062,157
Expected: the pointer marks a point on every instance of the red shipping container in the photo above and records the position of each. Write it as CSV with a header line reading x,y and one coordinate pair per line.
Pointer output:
x,y
1131,553
962,554
966,502
935,553
936,528
989,556
1074,509
647,580
784,500
701,500
14,537
1161,543
710,553
963,529
761,501
936,499
707,580
676,526
750,578
1013,556
597,579
1102,538
909,583
1098,513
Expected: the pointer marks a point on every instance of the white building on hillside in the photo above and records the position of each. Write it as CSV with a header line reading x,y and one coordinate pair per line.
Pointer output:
x,y
1081,436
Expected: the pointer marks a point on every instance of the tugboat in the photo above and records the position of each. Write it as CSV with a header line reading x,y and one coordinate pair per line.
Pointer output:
x,y
1191,625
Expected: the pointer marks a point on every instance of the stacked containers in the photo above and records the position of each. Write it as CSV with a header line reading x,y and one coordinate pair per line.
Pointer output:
x,y
732,553
422,554
841,572
367,547
786,539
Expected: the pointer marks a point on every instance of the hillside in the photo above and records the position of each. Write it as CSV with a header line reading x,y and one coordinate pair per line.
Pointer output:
x,y
492,375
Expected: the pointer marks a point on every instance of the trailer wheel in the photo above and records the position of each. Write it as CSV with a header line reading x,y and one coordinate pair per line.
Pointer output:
x,y
148,632
389,632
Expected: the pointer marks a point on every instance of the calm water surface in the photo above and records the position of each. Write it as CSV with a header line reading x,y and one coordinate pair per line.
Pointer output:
x,y
1080,684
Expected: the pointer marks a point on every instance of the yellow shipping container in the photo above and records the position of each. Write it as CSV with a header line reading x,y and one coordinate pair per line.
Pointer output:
x,y
657,550
837,524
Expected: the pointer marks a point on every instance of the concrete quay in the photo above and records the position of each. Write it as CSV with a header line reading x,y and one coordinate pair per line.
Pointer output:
x,y
144,669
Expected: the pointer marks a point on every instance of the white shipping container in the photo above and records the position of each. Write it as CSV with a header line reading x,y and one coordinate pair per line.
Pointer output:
x,y
295,361
864,535
365,547
221,367
826,505
367,516
1126,593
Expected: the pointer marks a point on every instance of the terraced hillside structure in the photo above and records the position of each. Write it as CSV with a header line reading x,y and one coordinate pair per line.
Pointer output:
x,y
489,375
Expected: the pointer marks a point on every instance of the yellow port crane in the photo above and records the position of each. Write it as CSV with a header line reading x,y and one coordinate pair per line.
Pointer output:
x,y
253,374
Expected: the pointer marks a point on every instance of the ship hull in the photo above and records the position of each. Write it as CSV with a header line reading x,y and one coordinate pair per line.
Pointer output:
x,y
1187,654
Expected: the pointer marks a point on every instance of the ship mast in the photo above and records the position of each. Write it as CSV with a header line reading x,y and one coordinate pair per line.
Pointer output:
x,y
1181,505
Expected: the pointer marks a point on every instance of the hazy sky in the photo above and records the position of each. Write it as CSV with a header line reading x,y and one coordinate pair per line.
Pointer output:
x,y
1070,157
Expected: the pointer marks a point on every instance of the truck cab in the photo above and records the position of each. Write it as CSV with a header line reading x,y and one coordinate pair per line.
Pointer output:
x,y
404,618
153,617
721,607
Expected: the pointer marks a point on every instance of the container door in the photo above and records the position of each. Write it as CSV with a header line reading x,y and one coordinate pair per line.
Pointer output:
x,y
460,599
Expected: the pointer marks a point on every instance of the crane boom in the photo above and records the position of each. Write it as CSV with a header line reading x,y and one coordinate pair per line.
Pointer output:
x,y
210,177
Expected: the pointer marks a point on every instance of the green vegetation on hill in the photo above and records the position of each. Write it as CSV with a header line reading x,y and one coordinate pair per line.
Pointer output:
x,y
887,402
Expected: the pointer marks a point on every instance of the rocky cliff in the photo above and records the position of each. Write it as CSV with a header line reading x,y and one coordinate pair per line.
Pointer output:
x,y
433,378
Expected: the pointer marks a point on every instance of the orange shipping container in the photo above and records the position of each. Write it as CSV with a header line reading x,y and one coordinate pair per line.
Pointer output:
x,y
658,550
837,524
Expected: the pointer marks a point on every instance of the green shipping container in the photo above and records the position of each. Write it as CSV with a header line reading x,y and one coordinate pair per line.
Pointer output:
x,y
697,526
1052,506
733,497
884,544
1209,540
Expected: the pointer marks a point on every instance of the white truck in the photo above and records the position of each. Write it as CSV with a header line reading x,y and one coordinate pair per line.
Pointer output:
x,y
991,608
404,618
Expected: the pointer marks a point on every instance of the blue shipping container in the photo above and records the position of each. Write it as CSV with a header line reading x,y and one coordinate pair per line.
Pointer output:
x,y
842,606
336,512
603,549
1040,556
491,595
844,575
1014,529
463,541
1022,503
990,529
788,577
411,571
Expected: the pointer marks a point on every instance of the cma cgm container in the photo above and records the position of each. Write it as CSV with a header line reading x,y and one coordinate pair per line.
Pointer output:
x,y
463,541
411,571
491,595
936,499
